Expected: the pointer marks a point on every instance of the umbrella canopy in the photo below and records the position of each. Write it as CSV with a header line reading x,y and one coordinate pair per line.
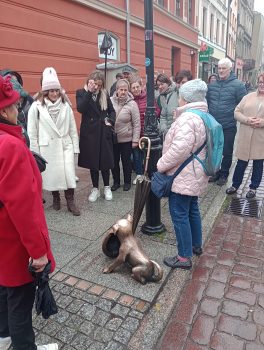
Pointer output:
x,y
142,186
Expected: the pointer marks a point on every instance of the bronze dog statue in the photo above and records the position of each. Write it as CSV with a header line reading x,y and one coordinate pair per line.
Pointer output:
x,y
130,250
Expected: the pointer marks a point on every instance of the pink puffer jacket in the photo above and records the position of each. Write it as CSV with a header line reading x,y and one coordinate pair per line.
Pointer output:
x,y
186,134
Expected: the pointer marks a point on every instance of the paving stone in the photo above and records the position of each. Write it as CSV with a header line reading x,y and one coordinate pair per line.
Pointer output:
x,y
210,306
235,326
248,261
254,346
240,282
194,291
92,299
122,336
83,285
59,276
104,304
175,336
251,252
111,294
120,310
52,328
186,311
258,316
258,287
71,281
207,261
201,273
39,322
61,316
103,335
261,336
87,328
114,323
63,289
220,273
231,246
64,301
137,314
246,271
226,258
233,308
75,306
202,329
131,324
87,311
74,321
223,341
96,346
242,296
141,306
43,339
81,342
114,346
126,300
78,294
96,289
261,301
101,317
66,334
211,250
215,289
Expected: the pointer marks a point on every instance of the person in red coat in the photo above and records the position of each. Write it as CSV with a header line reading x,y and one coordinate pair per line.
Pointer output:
x,y
23,230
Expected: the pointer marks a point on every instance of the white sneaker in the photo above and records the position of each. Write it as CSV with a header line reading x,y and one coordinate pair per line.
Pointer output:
x,y
5,343
53,346
108,193
135,180
95,193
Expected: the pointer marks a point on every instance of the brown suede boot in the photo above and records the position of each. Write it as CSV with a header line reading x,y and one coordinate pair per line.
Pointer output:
x,y
69,195
56,200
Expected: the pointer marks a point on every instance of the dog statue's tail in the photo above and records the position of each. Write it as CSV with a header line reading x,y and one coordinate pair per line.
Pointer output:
x,y
156,277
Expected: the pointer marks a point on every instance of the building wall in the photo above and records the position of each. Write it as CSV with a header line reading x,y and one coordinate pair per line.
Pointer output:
x,y
64,34
257,45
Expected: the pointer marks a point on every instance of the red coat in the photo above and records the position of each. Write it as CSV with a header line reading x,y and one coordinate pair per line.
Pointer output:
x,y
23,228
141,101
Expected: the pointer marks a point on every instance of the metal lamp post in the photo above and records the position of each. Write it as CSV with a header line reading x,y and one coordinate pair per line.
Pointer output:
x,y
153,218
106,45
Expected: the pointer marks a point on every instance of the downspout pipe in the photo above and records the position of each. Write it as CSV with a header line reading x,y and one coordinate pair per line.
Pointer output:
x,y
128,30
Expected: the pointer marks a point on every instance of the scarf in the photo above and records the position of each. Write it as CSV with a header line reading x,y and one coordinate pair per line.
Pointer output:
x,y
54,108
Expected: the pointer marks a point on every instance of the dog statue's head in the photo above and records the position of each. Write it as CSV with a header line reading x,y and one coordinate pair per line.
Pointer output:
x,y
123,227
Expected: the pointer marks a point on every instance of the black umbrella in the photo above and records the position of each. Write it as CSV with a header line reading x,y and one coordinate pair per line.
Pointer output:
x,y
142,186
44,300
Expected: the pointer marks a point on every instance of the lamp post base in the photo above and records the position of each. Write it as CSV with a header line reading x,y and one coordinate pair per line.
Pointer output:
x,y
151,230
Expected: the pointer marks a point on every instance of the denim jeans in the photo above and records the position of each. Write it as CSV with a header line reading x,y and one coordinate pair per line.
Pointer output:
x,y
16,315
138,160
185,215
229,138
240,171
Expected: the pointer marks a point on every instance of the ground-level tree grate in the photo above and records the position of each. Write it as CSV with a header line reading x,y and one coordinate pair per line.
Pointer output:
x,y
245,207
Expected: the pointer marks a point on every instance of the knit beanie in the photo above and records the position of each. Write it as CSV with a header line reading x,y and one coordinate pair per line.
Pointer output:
x,y
193,91
50,79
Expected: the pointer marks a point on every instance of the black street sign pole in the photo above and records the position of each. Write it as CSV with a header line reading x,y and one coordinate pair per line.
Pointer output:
x,y
153,218
106,44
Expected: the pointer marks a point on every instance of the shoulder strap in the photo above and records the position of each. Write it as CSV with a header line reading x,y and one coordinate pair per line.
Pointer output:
x,y
168,100
188,160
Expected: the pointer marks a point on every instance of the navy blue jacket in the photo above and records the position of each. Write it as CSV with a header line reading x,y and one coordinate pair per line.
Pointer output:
x,y
222,97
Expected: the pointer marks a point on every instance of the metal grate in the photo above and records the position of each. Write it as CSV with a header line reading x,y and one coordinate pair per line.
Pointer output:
x,y
245,207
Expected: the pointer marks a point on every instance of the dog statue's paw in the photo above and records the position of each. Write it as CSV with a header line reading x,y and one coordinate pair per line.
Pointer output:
x,y
106,270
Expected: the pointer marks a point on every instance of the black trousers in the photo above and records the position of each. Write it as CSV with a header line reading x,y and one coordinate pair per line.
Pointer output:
x,y
95,177
229,138
16,315
123,150
256,176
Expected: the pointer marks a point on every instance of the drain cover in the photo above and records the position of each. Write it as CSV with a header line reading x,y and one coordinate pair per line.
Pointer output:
x,y
245,207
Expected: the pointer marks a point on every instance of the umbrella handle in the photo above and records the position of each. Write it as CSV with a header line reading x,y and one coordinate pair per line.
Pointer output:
x,y
142,141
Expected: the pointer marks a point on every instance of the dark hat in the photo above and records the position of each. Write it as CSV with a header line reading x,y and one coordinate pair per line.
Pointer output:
x,y
6,72
8,95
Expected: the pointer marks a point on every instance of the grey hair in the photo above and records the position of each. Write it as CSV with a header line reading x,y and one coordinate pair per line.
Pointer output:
x,y
226,61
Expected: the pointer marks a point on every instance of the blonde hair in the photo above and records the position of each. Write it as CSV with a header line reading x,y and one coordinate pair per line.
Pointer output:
x,y
97,75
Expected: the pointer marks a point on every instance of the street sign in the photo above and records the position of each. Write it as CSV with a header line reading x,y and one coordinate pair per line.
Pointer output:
x,y
205,55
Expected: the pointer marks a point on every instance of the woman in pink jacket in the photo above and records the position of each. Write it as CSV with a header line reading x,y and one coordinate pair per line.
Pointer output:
x,y
24,234
186,134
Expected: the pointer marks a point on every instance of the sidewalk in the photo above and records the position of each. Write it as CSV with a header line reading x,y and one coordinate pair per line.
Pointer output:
x,y
222,304
112,312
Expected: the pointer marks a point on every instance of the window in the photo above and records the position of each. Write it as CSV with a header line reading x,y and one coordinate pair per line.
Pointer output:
x,y
212,28
223,36
160,2
178,8
204,21
190,11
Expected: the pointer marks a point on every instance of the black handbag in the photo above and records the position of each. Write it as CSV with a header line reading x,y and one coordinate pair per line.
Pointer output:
x,y
161,183
41,162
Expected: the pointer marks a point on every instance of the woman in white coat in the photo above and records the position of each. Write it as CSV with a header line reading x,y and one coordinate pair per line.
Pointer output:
x,y
53,134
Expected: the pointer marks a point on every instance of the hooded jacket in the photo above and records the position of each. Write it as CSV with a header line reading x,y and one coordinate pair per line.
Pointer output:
x,y
222,97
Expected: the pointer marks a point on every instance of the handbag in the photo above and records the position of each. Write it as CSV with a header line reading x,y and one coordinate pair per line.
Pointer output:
x,y
161,183
41,162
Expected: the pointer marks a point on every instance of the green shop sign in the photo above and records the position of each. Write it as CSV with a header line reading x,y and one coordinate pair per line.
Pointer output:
x,y
205,55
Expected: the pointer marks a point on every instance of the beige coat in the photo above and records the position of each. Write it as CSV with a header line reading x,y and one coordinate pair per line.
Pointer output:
x,y
250,143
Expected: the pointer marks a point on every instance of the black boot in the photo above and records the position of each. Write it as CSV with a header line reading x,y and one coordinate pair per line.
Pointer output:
x,y
69,195
56,200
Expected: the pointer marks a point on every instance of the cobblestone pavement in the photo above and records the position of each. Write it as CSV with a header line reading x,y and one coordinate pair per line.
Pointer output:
x,y
222,304
93,315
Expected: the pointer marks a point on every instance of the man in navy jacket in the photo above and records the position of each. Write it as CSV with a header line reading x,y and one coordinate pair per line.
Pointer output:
x,y
222,97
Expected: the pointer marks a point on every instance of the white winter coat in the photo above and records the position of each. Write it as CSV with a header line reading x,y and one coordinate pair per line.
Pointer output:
x,y
57,143
186,134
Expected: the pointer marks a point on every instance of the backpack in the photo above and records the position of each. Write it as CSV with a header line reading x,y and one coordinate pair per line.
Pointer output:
x,y
214,143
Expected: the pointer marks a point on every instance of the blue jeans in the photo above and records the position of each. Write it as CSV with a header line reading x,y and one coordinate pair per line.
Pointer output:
x,y
256,173
138,160
185,215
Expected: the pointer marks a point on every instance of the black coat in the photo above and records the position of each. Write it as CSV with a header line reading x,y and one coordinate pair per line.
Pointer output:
x,y
96,138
